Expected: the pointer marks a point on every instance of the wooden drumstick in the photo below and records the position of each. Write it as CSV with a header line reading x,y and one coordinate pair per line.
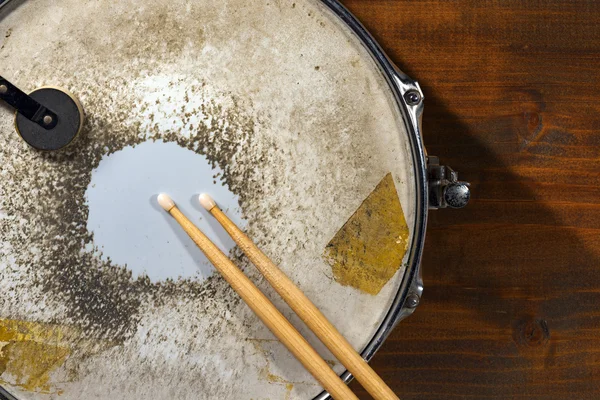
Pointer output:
x,y
262,307
305,309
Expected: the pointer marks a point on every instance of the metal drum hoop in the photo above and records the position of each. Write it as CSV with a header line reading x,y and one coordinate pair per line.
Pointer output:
x,y
409,100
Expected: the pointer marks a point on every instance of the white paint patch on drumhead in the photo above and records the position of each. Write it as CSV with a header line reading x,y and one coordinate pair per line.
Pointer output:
x,y
130,227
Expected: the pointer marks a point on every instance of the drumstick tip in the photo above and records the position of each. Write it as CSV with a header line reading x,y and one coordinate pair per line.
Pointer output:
x,y
206,201
165,201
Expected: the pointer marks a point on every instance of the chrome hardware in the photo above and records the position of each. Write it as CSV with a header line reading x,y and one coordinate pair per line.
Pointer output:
x,y
445,190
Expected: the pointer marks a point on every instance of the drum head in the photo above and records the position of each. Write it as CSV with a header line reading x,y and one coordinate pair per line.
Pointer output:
x,y
274,108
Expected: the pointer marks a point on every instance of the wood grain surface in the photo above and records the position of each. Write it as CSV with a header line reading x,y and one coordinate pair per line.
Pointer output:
x,y
511,307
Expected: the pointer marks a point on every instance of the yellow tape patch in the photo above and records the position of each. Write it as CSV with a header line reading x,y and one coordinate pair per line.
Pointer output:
x,y
368,250
30,352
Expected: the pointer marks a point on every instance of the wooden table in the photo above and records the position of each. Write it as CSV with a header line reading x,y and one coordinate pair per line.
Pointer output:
x,y
511,307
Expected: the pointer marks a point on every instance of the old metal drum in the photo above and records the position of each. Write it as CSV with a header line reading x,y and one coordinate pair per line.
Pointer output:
x,y
287,112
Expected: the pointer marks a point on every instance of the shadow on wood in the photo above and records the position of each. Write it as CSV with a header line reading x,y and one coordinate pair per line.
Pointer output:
x,y
512,282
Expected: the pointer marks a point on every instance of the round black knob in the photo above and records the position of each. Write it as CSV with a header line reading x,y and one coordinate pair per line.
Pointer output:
x,y
57,133
457,194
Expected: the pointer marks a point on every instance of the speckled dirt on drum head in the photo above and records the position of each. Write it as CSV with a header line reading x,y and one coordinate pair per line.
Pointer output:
x,y
238,82
101,297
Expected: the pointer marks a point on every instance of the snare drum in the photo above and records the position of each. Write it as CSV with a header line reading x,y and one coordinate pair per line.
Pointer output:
x,y
288,113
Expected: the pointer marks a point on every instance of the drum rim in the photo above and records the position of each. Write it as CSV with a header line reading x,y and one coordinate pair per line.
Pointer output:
x,y
399,83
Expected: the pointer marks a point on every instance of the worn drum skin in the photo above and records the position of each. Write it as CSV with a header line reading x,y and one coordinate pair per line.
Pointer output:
x,y
300,123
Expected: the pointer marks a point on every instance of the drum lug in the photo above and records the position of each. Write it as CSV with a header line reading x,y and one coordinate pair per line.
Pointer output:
x,y
445,190
412,300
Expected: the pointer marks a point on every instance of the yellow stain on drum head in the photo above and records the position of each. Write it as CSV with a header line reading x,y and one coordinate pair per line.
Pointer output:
x,y
368,250
30,352
288,393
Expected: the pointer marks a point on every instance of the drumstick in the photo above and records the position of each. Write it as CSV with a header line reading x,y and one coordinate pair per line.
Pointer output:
x,y
305,309
262,307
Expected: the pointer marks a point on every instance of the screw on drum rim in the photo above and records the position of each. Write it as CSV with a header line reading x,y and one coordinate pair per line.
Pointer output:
x,y
412,301
412,97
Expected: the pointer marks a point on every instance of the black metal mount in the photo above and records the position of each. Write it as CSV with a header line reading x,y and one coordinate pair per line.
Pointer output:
x,y
26,106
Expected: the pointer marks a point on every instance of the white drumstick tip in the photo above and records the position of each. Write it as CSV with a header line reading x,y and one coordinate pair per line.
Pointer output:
x,y
206,201
165,201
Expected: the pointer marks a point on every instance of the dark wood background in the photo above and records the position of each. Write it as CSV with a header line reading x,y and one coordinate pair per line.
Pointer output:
x,y
512,282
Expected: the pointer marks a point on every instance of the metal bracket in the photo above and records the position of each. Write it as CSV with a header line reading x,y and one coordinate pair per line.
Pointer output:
x,y
445,190
26,106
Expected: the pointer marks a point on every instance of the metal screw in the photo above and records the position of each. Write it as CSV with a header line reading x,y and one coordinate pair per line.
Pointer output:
x,y
47,120
3,89
412,97
412,301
